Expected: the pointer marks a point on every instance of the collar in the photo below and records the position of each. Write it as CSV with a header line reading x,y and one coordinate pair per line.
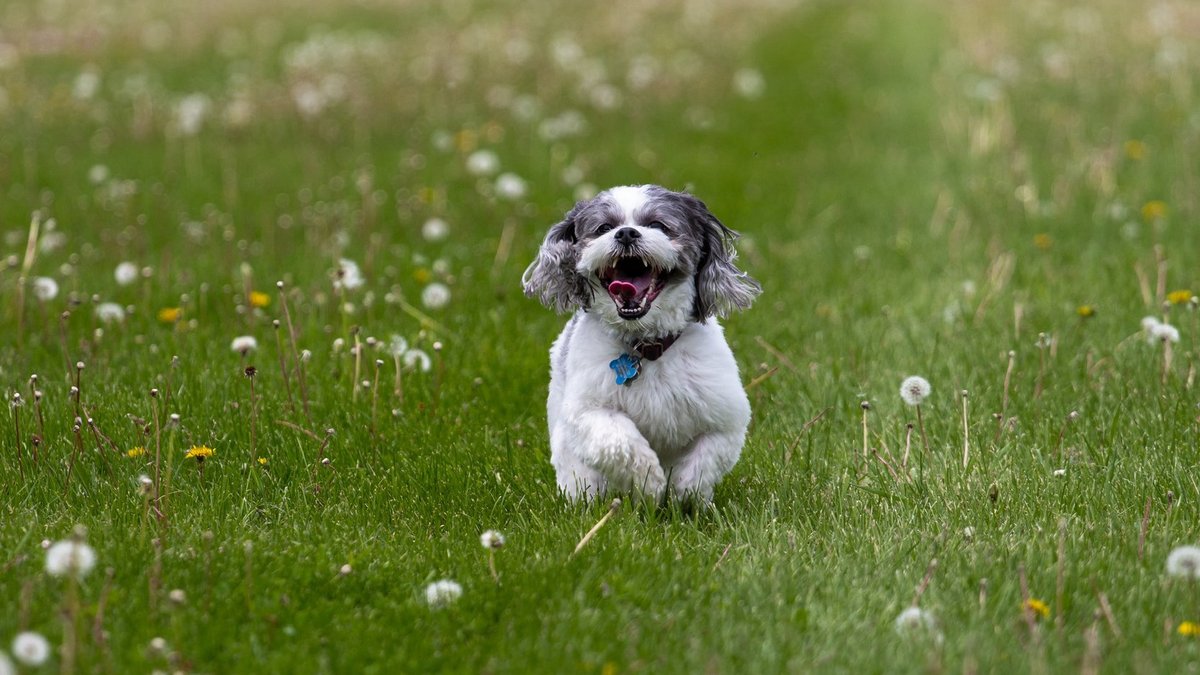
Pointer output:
x,y
652,349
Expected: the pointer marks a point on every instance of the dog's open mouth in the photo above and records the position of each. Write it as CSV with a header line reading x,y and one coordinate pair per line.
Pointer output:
x,y
633,284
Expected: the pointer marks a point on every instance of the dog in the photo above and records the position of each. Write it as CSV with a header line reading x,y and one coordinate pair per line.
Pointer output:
x,y
645,396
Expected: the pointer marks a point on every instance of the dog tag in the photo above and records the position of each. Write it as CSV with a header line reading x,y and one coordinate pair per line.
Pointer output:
x,y
626,367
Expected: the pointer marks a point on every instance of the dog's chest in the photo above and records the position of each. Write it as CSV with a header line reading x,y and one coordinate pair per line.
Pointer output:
x,y
667,401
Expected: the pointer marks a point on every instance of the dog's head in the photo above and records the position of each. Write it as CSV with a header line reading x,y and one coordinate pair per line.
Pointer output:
x,y
645,259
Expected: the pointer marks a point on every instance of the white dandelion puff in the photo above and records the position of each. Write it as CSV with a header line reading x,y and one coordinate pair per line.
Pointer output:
x,y
45,288
97,174
442,593
1164,332
190,112
435,296
483,163
397,346
916,621
1184,561
349,276
491,540
70,557
110,312
244,344
914,390
30,648
510,186
1148,323
435,229
749,83
126,273
415,359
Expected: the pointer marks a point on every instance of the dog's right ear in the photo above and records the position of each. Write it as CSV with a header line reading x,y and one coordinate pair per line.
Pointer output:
x,y
551,277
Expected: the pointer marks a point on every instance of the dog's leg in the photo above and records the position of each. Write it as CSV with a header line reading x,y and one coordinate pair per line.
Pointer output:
x,y
706,462
605,450
576,480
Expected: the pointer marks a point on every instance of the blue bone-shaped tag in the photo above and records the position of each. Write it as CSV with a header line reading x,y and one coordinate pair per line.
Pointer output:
x,y
626,367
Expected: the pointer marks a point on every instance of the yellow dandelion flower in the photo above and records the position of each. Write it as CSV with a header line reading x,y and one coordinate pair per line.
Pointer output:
x,y
466,140
200,452
422,275
1180,297
259,299
1085,311
1189,629
135,452
263,461
170,314
1135,150
1154,210
1042,241
1040,609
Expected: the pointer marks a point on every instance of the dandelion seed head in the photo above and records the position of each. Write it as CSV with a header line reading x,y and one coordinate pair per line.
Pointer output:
x,y
435,295
110,312
483,163
914,622
345,570
418,360
914,390
348,275
244,344
30,648
1149,322
1164,332
510,186
70,557
45,288
1184,561
442,593
435,229
491,539
126,273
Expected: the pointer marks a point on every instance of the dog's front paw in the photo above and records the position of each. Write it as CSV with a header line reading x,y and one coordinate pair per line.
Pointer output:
x,y
653,483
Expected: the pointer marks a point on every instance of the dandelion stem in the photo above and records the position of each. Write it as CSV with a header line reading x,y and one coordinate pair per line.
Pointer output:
x,y
966,431
287,381
16,410
908,429
287,315
921,427
354,383
1012,360
925,581
1106,609
375,395
1060,587
98,621
612,508
1141,548
157,455
866,406
492,565
1026,608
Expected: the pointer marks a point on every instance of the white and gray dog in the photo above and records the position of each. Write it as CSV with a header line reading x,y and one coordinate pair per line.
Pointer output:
x,y
644,391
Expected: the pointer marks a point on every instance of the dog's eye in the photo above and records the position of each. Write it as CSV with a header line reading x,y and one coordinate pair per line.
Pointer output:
x,y
604,228
656,225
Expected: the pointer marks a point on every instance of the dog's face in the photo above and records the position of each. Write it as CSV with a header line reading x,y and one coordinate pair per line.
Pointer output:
x,y
645,259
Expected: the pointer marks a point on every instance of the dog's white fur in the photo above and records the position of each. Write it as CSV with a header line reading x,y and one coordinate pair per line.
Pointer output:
x,y
680,425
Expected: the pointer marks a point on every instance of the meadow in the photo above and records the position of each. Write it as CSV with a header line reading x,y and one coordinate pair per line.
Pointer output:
x,y
268,360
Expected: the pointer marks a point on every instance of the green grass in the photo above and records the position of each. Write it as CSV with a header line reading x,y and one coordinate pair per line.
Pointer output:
x,y
889,211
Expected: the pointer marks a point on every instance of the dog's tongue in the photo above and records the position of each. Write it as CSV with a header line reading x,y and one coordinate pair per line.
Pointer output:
x,y
630,288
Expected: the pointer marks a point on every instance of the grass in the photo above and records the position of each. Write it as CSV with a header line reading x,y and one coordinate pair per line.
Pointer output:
x,y
922,188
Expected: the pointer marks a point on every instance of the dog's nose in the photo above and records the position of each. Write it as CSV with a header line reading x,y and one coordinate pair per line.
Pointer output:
x,y
627,235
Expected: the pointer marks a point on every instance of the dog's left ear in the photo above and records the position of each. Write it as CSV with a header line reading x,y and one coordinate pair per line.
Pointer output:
x,y
721,288
551,277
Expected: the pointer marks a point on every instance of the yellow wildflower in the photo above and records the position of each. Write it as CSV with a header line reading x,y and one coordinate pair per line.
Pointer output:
x,y
1039,608
135,452
1154,210
200,452
422,275
1179,297
262,461
1189,629
1042,241
259,299
466,140
1085,311
1135,149
170,314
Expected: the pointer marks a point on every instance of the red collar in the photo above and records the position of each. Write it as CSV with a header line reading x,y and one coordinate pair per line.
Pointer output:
x,y
653,349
